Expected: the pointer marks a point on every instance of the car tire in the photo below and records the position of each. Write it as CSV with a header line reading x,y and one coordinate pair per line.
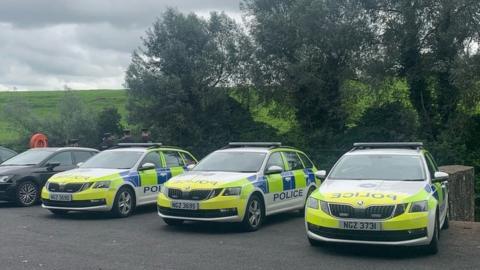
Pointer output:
x,y
58,212
124,203
254,214
173,222
432,248
301,212
446,223
27,194
314,243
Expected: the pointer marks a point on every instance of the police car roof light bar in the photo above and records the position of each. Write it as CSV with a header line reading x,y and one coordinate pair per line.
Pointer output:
x,y
254,144
409,145
148,145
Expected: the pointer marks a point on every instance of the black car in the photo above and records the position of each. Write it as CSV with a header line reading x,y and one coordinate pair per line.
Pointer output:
x,y
6,153
23,176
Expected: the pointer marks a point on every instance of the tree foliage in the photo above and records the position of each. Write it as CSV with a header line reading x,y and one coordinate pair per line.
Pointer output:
x,y
177,81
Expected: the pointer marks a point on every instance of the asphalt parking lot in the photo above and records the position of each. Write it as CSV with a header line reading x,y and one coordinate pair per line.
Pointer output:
x,y
32,238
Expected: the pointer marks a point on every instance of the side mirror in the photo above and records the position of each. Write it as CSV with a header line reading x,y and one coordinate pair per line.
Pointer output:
x,y
439,177
322,174
79,164
51,165
274,169
147,166
190,167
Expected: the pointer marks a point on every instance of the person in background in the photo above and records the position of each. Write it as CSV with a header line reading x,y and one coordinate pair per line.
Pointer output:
x,y
127,137
145,136
107,141
73,142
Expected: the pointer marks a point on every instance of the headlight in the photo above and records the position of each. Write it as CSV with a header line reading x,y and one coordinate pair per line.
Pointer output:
x,y
233,191
102,184
324,206
85,186
5,178
421,206
312,203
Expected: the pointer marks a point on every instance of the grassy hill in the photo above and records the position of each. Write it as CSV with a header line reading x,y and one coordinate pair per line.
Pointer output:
x,y
45,103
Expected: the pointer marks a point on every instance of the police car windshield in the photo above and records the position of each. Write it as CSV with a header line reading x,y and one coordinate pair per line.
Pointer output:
x,y
30,157
113,160
247,162
379,167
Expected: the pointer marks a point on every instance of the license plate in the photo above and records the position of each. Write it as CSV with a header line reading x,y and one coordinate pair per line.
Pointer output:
x,y
185,205
360,225
64,197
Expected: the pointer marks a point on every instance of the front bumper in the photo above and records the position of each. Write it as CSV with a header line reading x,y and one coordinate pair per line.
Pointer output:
x,y
7,191
408,229
87,200
220,208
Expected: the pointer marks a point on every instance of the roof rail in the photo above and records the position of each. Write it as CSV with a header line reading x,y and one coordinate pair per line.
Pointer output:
x,y
409,145
253,144
146,145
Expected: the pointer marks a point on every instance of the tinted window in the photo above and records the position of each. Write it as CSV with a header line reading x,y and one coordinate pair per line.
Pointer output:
x,y
188,159
294,162
113,160
30,157
173,159
275,160
82,156
154,158
232,162
64,158
5,154
432,168
306,161
379,167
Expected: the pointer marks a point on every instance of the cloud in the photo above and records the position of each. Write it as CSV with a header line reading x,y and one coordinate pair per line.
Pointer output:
x,y
83,44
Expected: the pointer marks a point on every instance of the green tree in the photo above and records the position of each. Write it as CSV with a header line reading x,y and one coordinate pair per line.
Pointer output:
x,y
109,121
306,50
177,82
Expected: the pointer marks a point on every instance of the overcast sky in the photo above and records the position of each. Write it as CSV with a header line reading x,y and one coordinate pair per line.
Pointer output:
x,y
84,44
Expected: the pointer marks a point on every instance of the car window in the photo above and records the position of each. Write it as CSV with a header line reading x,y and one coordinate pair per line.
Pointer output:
x,y
82,156
188,159
306,161
431,166
293,161
173,159
5,154
64,158
275,160
379,167
154,158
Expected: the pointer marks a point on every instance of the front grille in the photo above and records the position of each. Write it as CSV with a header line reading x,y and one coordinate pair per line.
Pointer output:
x,y
204,213
74,204
371,212
68,188
380,236
195,195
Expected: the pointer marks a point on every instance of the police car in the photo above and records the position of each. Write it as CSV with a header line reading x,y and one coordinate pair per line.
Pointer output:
x,y
243,182
116,180
380,193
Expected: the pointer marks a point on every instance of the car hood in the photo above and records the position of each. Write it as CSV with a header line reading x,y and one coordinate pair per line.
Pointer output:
x,y
86,175
369,192
205,180
11,170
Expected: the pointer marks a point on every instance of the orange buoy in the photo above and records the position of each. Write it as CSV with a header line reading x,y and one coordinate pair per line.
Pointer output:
x,y
38,140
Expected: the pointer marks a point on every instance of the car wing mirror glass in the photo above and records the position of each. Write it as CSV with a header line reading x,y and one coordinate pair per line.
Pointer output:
x,y
51,165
